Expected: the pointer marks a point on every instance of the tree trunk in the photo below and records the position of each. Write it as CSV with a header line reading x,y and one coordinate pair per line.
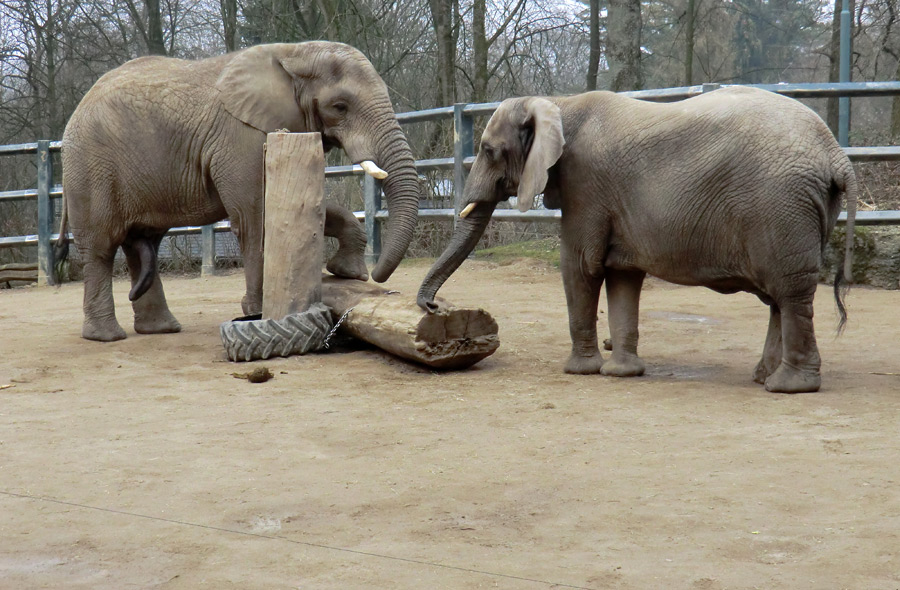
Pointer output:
x,y
689,45
451,338
442,21
594,56
229,24
479,52
155,42
623,45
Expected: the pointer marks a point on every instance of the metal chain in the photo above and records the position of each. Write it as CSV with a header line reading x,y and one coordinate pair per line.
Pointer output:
x,y
337,325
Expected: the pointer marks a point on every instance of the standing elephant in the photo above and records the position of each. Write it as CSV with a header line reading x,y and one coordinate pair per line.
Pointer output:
x,y
735,190
162,142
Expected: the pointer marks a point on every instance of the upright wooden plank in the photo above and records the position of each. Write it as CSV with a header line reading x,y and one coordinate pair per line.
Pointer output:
x,y
294,223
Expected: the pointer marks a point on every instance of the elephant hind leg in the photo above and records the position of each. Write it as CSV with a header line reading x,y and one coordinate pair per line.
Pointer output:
x,y
623,293
151,311
99,308
798,371
772,349
349,261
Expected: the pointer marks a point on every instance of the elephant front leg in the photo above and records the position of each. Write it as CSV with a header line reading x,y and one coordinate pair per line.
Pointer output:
x,y
800,361
771,356
582,296
349,261
151,311
99,308
623,293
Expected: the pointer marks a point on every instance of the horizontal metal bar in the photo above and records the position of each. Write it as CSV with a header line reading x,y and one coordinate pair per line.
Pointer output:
x,y
26,194
482,109
426,115
18,149
873,154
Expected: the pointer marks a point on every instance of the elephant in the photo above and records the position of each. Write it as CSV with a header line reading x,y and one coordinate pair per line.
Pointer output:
x,y
737,189
161,142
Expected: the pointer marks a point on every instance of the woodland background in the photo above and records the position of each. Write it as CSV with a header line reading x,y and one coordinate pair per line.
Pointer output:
x,y
438,52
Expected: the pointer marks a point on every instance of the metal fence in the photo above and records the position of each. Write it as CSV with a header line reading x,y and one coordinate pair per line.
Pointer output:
x,y
463,116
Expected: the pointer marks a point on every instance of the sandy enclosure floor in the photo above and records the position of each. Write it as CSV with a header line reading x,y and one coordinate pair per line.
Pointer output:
x,y
146,464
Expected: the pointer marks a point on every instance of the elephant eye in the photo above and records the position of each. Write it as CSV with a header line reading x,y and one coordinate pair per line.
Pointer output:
x,y
340,107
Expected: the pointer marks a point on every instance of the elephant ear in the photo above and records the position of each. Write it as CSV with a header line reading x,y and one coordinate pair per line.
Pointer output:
x,y
542,117
255,88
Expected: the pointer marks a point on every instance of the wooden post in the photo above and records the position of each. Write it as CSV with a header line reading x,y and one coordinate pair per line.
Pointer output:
x,y
294,223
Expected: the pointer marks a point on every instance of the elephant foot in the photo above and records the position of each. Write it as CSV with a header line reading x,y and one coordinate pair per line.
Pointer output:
x,y
108,331
584,365
627,366
163,323
348,265
763,370
251,306
788,379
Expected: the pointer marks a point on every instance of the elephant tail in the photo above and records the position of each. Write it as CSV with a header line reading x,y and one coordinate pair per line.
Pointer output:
x,y
845,185
61,247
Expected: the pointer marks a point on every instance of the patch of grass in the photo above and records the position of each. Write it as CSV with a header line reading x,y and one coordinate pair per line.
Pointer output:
x,y
546,249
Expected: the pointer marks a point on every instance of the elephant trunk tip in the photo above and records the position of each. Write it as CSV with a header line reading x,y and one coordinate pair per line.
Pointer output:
x,y
427,303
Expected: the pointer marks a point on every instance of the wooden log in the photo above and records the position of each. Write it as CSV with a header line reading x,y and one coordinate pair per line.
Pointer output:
x,y
294,223
452,338
19,271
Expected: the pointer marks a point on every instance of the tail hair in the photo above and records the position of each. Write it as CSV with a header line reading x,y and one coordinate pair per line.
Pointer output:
x,y
841,289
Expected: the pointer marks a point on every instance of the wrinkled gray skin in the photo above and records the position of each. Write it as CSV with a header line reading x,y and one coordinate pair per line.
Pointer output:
x,y
160,142
735,190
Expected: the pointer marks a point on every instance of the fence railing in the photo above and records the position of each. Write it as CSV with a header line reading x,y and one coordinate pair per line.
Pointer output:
x,y
463,116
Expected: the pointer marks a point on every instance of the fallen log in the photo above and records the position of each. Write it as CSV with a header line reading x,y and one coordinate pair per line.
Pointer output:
x,y
451,338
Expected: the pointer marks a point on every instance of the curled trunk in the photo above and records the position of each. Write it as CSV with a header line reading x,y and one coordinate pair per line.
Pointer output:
x,y
468,231
401,191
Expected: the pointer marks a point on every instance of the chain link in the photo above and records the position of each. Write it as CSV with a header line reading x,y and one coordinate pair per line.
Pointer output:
x,y
337,325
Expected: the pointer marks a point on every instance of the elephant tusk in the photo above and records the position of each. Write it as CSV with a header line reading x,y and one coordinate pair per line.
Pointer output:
x,y
465,212
373,170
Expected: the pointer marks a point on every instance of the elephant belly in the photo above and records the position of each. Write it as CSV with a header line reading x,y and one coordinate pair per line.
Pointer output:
x,y
695,269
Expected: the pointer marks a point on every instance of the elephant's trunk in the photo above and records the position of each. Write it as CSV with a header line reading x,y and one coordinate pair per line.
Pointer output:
x,y
468,231
401,191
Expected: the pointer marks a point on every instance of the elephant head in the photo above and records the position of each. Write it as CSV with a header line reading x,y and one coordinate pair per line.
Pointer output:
x,y
522,141
333,89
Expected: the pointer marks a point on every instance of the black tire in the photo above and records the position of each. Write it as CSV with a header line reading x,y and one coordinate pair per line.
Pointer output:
x,y
297,333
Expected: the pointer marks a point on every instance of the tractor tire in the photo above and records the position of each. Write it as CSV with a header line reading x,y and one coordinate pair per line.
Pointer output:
x,y
298,333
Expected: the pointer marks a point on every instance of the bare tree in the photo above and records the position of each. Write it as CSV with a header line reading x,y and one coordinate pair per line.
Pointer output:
x,y
594,57
623,45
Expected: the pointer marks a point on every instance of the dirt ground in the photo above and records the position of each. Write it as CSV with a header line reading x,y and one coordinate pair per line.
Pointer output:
x,y
146,464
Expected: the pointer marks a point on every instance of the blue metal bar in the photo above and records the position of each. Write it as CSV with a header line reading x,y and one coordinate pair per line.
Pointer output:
x,y
463,147
372,201
208,251
45,213
844,101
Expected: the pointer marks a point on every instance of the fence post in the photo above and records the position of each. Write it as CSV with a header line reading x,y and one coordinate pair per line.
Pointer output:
x,y
208,251
372,201
45,214
463,147
844,101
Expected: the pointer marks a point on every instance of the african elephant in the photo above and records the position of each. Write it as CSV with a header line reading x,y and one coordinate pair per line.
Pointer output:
x,y
736,190
162,142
